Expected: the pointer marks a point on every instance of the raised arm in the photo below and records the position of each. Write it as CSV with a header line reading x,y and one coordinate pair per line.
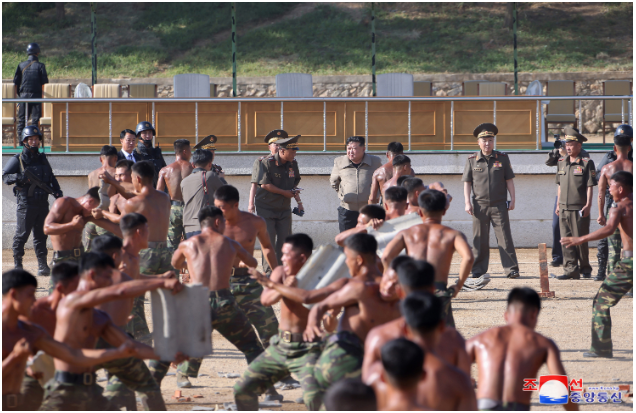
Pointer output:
x,y
615,215
464,251
267,248
118,187
344,297
302,296
393,249
52,225
269,296
555,366
340,238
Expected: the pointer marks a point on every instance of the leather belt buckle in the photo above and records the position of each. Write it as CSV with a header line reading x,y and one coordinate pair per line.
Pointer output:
x,y
77,252
233,271
12,401
87,379
287,336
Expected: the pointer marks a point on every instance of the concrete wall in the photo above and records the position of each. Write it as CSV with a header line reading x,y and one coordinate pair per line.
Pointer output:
x,y
531,220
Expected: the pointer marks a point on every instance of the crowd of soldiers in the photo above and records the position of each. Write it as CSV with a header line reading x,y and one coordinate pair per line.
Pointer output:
x,y
383,338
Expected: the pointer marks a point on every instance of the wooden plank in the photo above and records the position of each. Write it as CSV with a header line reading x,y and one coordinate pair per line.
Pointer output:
x,y
543,272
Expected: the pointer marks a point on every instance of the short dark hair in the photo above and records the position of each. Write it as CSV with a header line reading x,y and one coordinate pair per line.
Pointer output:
x,y
397,261
403,361
396,194
622,141
108,244
525,296
17,278
108,150
93,193
64,272
416,274
432,200
92,260
207,214
350,395
180,145
373,211
201,157
412,184
401,179
124,163
359,139
129,222
123,133
227,193
302,242
145,169
363,244
401,160
422,311
624,178
395,148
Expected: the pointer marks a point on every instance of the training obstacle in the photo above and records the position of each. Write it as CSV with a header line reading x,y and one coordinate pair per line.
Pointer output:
x,y
543,273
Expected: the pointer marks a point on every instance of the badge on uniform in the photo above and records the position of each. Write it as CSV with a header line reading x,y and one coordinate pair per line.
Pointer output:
x,y
477,169
578,171
291,173
496,164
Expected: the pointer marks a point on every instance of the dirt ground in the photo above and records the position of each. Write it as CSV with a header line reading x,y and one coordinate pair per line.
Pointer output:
x,y
565,319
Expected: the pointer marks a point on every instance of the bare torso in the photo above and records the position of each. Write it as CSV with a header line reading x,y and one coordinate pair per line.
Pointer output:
x,y
434,243
155,206
118,310
626,211
10,337
505,356
210,256
62,212
172,175
93,176
43,315
130,264
244,232
293,315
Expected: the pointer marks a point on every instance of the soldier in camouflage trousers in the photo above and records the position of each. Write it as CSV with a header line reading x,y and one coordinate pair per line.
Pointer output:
x,y
74,257
341,358
79,395
175,231
32,393
445,295
93,231
229,320
247,293
609,249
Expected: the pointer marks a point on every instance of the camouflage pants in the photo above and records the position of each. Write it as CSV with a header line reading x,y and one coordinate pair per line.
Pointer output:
x,y
445,295
615,286
32,393
67,396
229,320
341,358
92,231
248,296
59,260
138,326
614,245
175,231
276,362
155,261
128,375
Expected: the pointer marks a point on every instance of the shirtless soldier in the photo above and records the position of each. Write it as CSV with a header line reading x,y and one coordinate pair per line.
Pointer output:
x,y
621,279
79,325
108,159
210,257
288,352
244,228
385,172
401,167
395,201
171,176
435,243
371,215
364,308
402,362
21,339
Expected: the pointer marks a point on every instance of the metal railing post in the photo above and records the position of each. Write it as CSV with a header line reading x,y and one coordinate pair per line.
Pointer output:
x,y
153,124
26,115
630,112
580,116
66,126
281,115
239,126
409,125
110,123
537,125
366,124
494,120
196,121
622,111
451,125
324,126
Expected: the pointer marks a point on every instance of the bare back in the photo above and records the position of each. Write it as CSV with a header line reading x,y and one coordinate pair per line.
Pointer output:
x,y
505,356
62,212
118,310
155,206
244,232
434,243
172,175
210,256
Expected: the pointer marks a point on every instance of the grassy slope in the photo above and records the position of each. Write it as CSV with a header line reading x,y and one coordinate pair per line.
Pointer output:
x,y
163,39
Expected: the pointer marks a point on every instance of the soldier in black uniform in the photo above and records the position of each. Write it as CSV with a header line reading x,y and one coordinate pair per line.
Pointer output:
x,y
29,78
33,201
145,132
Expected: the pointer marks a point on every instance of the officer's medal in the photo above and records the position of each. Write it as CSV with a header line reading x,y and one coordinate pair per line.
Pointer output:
x,y
291,173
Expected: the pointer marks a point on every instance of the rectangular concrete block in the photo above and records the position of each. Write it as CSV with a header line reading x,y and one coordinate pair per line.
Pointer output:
x,y
326,265
390,228
182,322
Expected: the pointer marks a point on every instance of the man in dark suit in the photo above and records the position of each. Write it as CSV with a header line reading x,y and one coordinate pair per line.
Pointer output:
x,y
128,140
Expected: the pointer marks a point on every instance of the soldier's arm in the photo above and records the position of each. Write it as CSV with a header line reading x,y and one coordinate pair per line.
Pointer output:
x,y
470,349
310,297
615,215
468,206
251,208
106,177
266,244
15,362
371,363
510,184
161,182
108,225
340,238
374,196
464,250
114,336
602,188
346,296
393,249
52,225
82,357
112,217
11,172
555,366
178,258
269,296
247,258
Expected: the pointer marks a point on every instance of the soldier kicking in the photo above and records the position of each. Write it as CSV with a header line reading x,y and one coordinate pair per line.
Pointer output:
x,y
435,243
80,325
621,280
507,355
170,177
288,352
209,258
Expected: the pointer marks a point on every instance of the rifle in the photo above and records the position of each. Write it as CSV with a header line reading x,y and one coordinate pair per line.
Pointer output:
x,y
35,182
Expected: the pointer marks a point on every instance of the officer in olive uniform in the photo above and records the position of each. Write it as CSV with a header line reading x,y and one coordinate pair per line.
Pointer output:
x,y
29,78
33,201
270,140
279,176
145,132
576,177
489,174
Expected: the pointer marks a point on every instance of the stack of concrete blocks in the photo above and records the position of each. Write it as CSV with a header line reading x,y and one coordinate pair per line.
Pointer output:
x,y
294,85
182,322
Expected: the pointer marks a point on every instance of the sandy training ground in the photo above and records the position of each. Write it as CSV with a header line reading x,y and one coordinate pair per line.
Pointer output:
x,y
566,319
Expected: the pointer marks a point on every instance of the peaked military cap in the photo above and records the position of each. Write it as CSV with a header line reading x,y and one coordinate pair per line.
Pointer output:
x,y
207,143
485,130
276,135
289,143
572,134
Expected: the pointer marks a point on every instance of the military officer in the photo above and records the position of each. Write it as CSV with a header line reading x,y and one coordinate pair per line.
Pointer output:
x,y
270,140
279,178
33,201
209,143
576,177
145,132
29,78
489,175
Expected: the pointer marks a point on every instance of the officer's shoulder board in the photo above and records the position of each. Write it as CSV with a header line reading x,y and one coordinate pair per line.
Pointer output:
x,y
271,158
586,160
473,155
502,153
560,159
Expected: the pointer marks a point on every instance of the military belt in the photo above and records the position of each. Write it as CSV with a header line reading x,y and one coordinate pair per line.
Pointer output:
x,y
75,252
86,379
289,337
627,254
176,203
224,293
347,337
156,244
12,401
240,272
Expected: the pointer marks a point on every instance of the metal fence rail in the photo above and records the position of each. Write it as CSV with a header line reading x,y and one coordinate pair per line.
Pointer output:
x,y
325,100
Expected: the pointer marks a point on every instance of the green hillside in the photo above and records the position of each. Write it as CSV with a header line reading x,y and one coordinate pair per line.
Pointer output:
x,y
164,39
